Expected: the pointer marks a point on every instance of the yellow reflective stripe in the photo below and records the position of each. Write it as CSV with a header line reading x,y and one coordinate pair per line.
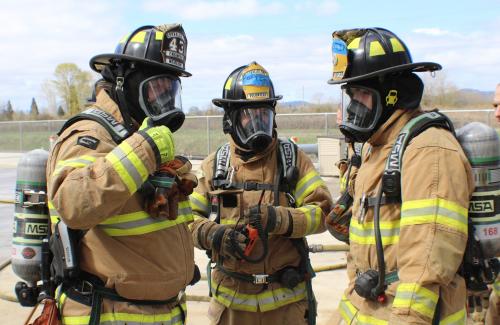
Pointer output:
x,y
266,301
128,166
417,298
139,37
363,319
158,35
496,286
458,318
77,162
376,48
199,203
354,44
396,45
364,234
313,217
350,313
434,210
54,215
172,318
347,309
151,225
228,221
343,183
307,185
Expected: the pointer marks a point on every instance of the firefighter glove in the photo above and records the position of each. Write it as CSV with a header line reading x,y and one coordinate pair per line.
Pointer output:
x,y
160,138
274,220
227,241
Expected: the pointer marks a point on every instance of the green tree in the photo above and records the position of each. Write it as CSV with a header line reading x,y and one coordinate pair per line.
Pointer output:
x,y
72,85
9,111
60,111
34,108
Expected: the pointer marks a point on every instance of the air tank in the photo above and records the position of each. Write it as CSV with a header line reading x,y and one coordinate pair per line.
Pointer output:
x,y
481,145
31,215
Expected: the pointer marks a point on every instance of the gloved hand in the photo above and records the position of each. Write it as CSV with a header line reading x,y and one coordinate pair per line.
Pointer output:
x,y
342,165
160,137
274,220
161,191
339,219
224,239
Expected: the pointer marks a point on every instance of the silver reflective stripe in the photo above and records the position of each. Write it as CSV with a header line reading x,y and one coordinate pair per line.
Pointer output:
x,y
129,166
306,185
434,210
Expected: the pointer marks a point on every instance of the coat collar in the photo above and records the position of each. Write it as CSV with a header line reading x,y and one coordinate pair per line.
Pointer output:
x,y
388,132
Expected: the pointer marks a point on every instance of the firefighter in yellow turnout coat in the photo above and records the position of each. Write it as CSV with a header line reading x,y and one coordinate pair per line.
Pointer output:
x,y
251,186
423,229
139,264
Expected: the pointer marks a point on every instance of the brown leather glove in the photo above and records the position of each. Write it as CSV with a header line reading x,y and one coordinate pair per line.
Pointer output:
x,y
162,200
223,239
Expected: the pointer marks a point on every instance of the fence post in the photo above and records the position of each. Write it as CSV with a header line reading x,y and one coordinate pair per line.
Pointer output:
x,y
326,124
208,135
20,136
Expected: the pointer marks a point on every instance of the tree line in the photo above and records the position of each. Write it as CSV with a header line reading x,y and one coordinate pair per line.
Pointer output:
x,y
70,88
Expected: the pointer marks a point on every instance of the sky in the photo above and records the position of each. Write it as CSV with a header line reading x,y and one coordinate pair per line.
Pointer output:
x,y
291,39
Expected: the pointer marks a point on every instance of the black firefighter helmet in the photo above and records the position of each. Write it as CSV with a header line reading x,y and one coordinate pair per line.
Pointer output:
x,y
248,100
378,72
146,67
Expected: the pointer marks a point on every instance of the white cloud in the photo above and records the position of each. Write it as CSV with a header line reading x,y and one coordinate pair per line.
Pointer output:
x,y
431,31
200,10
469,60
297,64
38,35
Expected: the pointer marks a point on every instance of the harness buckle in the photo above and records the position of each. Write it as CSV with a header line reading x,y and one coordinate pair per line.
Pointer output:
x,y
250,186
86,288
260,278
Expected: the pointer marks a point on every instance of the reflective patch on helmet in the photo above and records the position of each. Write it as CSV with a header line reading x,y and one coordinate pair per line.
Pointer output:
x,y
139,37
354,44
391,98
228,84
255,82
396,45
376,48
339,53
158,36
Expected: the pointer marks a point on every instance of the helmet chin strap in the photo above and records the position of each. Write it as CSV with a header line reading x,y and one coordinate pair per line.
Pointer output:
x,y
121,75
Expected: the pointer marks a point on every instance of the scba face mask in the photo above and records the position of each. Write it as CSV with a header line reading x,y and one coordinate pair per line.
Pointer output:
x,y
254,127
361,111
160,99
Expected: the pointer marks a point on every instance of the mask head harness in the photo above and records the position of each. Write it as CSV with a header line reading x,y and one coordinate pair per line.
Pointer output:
x,y
145,70
377,70
249,102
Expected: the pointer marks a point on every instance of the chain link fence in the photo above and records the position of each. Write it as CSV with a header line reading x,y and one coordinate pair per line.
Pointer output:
x,y
201,135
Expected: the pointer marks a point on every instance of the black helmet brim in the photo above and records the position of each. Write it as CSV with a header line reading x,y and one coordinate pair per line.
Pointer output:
x,y
221,101
98,62
410,67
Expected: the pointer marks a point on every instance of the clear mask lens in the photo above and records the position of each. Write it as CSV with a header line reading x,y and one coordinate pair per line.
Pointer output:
x,y
160,95
359,107
254,121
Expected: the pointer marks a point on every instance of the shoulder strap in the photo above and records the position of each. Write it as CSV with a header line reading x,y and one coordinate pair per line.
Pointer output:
x,y
221,165
288,154
391,180
117,131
